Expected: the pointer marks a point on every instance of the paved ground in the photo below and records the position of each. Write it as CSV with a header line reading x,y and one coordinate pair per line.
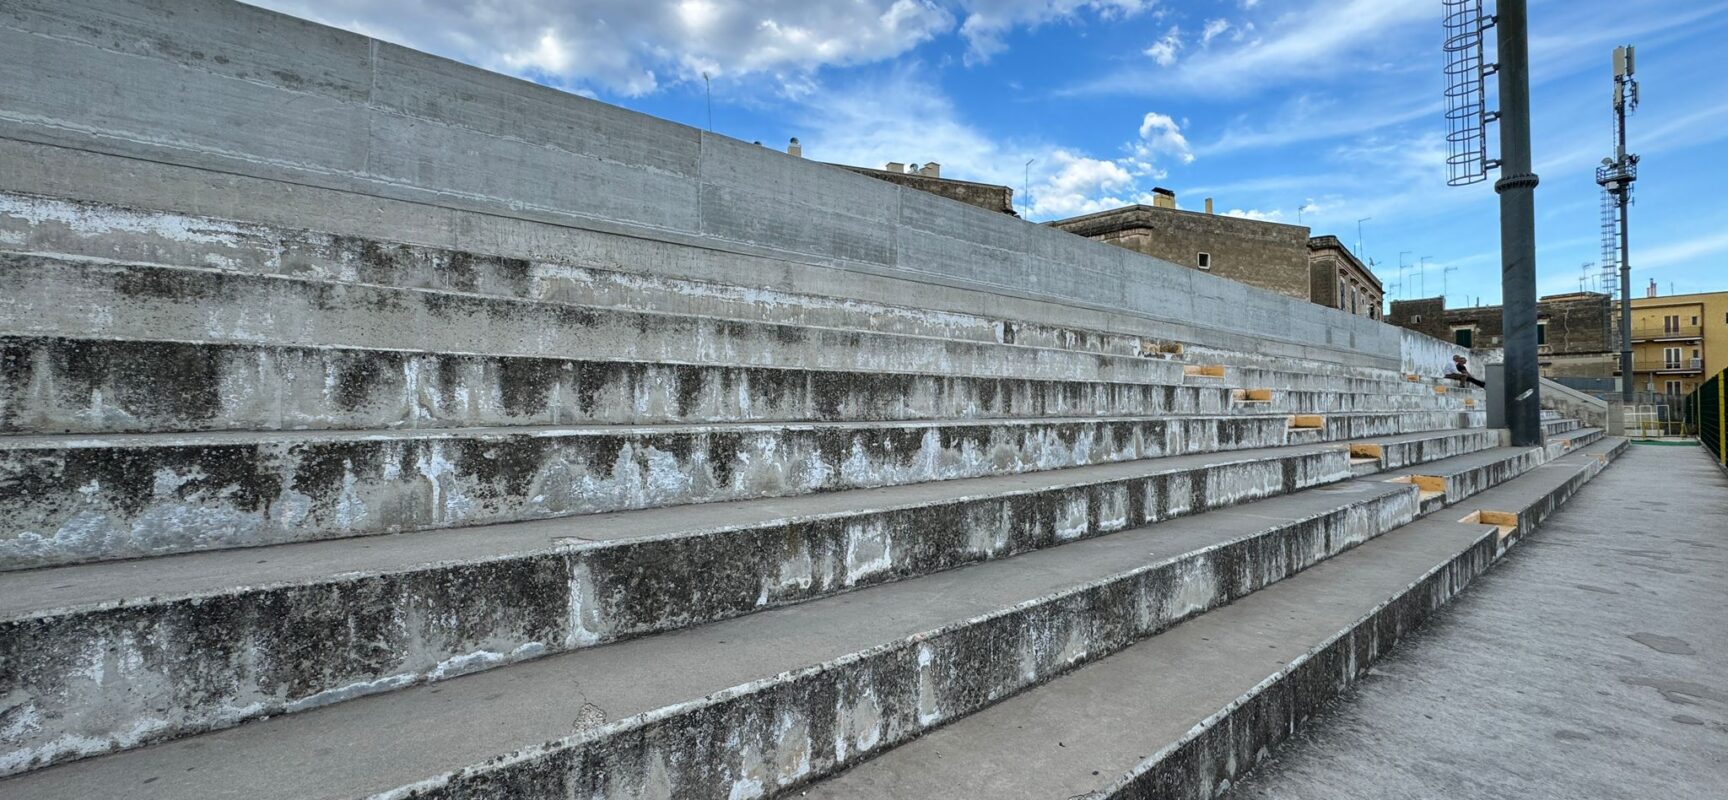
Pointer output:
x,y
1590,663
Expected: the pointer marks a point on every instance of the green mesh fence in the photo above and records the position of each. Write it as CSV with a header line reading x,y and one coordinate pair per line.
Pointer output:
x,y
1704,411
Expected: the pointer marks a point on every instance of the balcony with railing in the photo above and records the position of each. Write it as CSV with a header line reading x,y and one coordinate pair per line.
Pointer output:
x,y
1666,332
1678,366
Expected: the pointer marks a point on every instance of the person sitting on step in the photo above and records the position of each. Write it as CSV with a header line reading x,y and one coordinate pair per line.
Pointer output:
x,y
1461,372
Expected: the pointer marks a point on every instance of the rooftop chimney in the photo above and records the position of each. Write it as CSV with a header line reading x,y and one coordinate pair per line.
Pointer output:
x,y
1163,198
1652,287
931,170
1208,205
895,166
795,149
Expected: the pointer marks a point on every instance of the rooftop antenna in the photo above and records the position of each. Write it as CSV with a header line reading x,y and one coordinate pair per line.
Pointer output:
x,y
1401,264
708,90
1444,272
1467,162
1359,235
1026,188
1615,176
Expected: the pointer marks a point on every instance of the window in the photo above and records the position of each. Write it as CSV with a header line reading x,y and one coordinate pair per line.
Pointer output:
x,y
1694,319
1541,333
1673,388
1671,357
1671,324
1415,318
1463,336
1204,260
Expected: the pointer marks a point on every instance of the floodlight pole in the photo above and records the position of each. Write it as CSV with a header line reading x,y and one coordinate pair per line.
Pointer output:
x,y
1517,189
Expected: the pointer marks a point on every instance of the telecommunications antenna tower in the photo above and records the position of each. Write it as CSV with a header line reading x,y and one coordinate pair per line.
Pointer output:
x,y
1467,114
1616,176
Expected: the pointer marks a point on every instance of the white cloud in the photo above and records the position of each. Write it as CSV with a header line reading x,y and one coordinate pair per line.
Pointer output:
x,y
1160,135
988,20
903,117
1213,28
1322,39
1164,50
1681,252
1275,215
635,46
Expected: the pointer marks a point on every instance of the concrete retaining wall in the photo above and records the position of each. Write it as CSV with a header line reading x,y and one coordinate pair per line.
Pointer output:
x,y
306,125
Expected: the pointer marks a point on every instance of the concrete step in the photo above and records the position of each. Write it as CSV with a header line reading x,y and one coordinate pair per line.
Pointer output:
x,y
1448,481
1184,713
326,621
852,673
52,226
761,701
66,499
388,612
53,297
55,385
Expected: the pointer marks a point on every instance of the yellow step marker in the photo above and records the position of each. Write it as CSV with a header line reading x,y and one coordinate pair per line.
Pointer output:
x,y
1253,395
1204,370
1307,421
1367,450
1506,522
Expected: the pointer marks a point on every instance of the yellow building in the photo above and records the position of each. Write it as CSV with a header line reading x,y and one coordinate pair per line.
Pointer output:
x,y
1678,341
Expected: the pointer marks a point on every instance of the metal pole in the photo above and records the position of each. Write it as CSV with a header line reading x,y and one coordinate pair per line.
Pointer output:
x,y
1625,293
1517,189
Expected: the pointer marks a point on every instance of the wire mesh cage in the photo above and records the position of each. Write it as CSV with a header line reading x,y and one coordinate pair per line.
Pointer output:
x,y
1466,93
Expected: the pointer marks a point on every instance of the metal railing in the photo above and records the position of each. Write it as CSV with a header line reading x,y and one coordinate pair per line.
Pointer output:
x,y
1663,364
1648,332
1705,411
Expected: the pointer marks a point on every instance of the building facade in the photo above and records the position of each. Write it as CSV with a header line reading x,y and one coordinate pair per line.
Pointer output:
x,y
1572,330
1337,278
1678,341
1270,255
928,178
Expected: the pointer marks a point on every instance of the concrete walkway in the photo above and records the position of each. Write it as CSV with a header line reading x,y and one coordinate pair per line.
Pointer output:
x,y
1591,663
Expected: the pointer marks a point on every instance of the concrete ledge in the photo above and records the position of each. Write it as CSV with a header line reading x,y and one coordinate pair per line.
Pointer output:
x,y
70,499
1139,725
57,385
367,625
850,676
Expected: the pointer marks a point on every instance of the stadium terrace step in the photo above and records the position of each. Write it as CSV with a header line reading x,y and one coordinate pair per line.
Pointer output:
x,y
890,660
106,386
1394,452
144,303
1446,482
65,499
57,227
853,673
390,611
330,620
95,299
1184,713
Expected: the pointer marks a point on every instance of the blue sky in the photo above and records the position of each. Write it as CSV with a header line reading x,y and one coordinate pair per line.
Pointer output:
x,y
1323,111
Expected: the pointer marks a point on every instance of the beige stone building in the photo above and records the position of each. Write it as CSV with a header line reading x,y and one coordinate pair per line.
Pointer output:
x,y
1271,255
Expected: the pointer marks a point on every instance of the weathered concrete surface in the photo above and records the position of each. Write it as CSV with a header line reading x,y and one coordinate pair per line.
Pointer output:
x,y
71,499
347,120
58,385
1185,713
750,705
231,636
1588,664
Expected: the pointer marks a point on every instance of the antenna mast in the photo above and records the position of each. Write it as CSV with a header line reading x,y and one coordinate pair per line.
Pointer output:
x,y
1616,176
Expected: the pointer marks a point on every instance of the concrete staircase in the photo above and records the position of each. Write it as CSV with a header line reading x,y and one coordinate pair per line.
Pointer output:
x,y
802,545
395,429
